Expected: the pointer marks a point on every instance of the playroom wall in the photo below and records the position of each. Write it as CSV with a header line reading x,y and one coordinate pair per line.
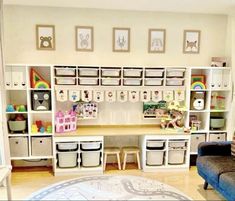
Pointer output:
x,y
20,45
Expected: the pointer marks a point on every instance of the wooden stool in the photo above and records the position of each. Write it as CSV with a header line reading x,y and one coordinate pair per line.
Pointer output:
x,y
130,150
112,151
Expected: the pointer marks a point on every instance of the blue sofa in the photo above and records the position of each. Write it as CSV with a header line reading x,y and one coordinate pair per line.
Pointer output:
x,y
217,167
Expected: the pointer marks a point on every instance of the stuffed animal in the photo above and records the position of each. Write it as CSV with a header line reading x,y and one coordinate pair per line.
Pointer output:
x,y
197,101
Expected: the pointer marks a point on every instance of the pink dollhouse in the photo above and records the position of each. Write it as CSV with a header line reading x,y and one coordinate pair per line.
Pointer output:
x,y
66,122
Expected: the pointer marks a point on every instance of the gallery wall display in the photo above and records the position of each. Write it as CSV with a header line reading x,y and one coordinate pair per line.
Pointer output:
x,y
45,37
84,38
121,39
156,40
192,41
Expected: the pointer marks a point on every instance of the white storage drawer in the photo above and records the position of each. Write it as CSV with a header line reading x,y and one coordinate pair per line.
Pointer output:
x,y
65,71
153,82
132,72
154,72
217,137
65,81
41,146
88,72
155,144
110,81
111,72
88,81
155,158
175,73
176,157
67,159
91,158
177,144
67,146
19,146
88,146
174,82
132,82
196,139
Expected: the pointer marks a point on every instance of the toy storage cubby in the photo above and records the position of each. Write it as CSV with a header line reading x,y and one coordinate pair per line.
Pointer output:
x,y
213,118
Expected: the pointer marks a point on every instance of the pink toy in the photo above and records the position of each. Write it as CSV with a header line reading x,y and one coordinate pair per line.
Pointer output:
x,y
66,122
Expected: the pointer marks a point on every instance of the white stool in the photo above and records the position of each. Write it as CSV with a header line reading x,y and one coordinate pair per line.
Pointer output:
x,y
130,150
112,151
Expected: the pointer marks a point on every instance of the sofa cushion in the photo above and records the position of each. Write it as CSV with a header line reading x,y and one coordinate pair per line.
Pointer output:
x,y
213,166
227,183
233,147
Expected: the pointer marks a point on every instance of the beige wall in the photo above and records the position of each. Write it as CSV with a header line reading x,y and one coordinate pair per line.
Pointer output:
x,y
20,36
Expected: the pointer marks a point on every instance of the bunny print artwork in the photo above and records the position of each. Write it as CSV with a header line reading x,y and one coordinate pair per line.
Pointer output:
x,y
84,38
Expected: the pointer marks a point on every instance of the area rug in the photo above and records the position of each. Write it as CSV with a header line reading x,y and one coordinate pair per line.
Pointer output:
x,y
110,187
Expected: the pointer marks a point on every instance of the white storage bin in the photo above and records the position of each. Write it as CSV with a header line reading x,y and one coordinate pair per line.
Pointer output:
x,y
91,145
132,82
155,158
65,81
154,72
89,72
19,146
174,82
67,159
153,82
91,158
110,72
196,139
132,72
88,81
217,137
65,146
175,72
41,146
110,81
176,157
155,144
65,71
177,144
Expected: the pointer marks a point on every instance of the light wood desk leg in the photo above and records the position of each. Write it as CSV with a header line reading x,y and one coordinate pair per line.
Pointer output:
x,y
8,182
138,160
124,161
119,162
105,160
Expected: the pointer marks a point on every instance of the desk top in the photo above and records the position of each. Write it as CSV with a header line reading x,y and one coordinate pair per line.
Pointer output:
x,y
120,130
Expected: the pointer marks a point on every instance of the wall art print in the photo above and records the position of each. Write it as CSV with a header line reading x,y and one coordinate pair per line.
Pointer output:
x,y
121,39
84,38
45,37
156,40
192,41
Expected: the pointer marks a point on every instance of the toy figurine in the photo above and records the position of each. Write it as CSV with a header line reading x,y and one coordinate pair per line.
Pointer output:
x,y
21,108
10,108
42,130
49,129
34,128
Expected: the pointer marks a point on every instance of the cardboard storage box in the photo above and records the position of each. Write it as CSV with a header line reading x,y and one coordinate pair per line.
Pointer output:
x,y
41,146
217,137
19,146
196,139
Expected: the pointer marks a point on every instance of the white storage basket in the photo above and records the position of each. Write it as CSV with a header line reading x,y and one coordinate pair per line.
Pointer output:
x,y
217,137
154,72
176,157
91,158
196,139
67,159
175,73
65,71
65,146
177,144
155,144
155,158
88,72
90,146
19,146
65,81
110,72
132,82
153,82
110,81
174,82
132,72
41,146
88,81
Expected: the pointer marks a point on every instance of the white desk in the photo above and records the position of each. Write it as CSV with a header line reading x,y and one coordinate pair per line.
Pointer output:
x,y
5,173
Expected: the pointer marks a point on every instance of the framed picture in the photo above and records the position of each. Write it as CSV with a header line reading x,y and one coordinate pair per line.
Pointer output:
x,y
156,40
45,37
84,38
192,41
121,39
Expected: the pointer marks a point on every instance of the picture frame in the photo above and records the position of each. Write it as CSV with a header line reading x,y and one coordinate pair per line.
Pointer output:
x,y
156,40
84,38
198,78
121,39
45,37
191,43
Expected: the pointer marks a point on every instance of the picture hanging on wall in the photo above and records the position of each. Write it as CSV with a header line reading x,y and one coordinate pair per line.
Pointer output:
x,y
45,37
84,38
192,41
121,39
156,40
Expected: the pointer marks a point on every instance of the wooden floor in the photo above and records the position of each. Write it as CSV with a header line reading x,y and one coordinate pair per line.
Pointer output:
x,y
26,181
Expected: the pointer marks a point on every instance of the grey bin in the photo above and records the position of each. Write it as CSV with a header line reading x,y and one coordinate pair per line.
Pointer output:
x,y
91,158
67,159
155,158
176,157
41,146
19,146
196,139
217,137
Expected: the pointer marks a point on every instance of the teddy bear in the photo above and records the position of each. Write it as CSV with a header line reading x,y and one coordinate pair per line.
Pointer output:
x,y
197,101
45,42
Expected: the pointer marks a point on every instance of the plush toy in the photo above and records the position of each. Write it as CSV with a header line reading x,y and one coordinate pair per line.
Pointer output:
x,y
197,101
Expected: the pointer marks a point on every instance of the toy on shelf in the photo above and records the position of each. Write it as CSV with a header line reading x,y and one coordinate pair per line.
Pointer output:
x,y
198,86
17,123
16,108
34,128
197,101
198,82
41,100
86,110
10,108
65,122
41,127
37,80
195,125
217,101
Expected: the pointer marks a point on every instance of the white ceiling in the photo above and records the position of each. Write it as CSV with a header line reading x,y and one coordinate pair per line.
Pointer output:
x,y
189,6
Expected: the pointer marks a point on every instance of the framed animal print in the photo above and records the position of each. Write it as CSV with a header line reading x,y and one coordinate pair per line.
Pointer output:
x,y
156,40
121,39
45,37
192,41
84,38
